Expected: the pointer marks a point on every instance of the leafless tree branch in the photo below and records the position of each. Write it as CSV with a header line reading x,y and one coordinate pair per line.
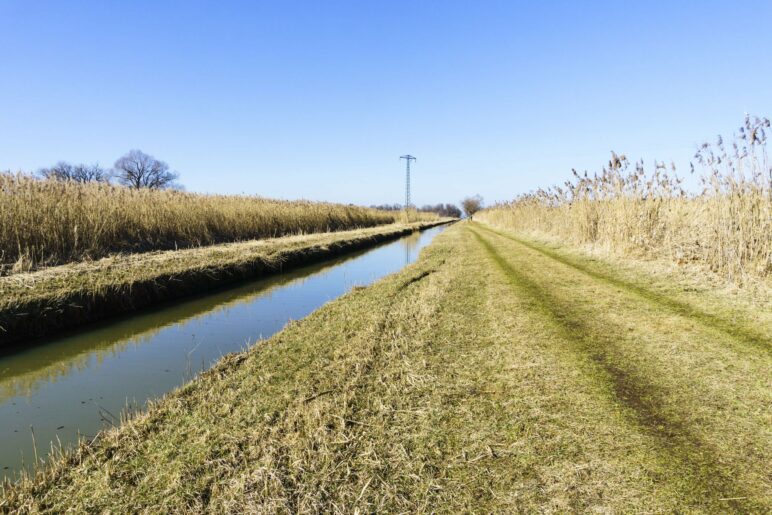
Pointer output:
x,y
139,170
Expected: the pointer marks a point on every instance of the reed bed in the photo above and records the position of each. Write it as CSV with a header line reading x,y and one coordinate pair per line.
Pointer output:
x,y
629,210
48,222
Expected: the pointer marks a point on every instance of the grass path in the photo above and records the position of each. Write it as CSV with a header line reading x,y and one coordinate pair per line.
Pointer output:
x,y
495,374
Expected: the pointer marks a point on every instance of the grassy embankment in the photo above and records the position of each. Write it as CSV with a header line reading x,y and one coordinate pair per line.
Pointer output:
x,y
725,228
56,361
41,302
54,222
495,374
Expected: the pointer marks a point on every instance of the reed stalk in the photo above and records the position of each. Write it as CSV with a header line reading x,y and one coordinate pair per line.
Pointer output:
x,y
629,210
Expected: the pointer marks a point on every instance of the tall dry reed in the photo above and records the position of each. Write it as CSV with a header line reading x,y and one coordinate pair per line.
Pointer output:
x,y
727,225
51,222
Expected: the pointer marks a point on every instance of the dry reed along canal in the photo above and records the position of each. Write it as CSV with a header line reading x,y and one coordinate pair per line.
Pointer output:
x,y
80,383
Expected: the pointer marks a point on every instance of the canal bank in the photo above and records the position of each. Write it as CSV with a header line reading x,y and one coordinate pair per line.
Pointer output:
x,y
77,385
33,305
489,376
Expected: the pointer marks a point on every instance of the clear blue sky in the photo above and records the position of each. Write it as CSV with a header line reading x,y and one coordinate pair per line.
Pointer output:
x,y
318,99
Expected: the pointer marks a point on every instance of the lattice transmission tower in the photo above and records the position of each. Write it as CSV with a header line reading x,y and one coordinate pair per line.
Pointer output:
x,y
407,159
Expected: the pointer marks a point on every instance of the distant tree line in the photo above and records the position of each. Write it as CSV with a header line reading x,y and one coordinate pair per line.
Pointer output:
x,y
450,210
134,170
388,207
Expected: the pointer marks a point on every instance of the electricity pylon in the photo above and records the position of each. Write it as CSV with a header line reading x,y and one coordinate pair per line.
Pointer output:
x,y
407,159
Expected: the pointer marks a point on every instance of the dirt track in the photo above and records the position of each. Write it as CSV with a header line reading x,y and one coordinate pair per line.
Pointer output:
x,y
496,374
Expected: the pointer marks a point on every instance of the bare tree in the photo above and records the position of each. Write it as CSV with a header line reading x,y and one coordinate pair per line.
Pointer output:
x,y
471,205
64,171
139,170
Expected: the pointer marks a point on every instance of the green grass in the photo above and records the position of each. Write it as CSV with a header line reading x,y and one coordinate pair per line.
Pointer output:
x,y
495,374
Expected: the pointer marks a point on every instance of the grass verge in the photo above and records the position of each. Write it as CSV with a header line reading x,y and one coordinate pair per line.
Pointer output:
x,y
488,377
39,303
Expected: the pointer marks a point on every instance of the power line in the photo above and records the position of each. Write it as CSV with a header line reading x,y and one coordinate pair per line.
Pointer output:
x,y
407,159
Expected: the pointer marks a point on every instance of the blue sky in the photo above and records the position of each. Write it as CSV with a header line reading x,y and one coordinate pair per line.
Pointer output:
x,y
318,99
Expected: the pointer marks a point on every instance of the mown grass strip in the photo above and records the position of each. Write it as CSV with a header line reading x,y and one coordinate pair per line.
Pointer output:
x,y
42,303
735,331
640,396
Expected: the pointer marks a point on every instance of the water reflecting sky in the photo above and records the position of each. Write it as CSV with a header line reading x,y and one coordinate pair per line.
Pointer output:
x,y
79,383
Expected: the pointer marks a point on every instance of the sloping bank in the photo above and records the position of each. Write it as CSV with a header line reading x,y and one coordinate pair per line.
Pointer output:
x,y
489,376
40,303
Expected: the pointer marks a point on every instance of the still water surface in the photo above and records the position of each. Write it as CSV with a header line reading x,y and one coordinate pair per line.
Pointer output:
x,y
80,383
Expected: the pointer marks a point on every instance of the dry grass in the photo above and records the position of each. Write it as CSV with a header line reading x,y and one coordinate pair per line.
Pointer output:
x,y
53,222
727,227
490,376
36,303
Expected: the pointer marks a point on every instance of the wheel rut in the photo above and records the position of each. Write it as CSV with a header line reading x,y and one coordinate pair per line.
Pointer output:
x,y
737,332
641,398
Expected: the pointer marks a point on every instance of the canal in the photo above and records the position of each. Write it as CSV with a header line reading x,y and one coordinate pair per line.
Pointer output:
x,y
73,386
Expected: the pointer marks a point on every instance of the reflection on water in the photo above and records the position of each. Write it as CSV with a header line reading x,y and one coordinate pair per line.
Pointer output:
x,y
410,244
77,384
22,372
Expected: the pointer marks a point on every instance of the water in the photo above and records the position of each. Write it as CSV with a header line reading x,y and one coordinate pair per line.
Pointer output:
x,y
80,383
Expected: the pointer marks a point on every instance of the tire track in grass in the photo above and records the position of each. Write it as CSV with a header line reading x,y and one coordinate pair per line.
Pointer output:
x,y
737,332
705,479
570,453
330,445
719,389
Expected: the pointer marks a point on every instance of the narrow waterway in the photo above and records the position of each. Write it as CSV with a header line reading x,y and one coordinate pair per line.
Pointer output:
x,y
80,383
